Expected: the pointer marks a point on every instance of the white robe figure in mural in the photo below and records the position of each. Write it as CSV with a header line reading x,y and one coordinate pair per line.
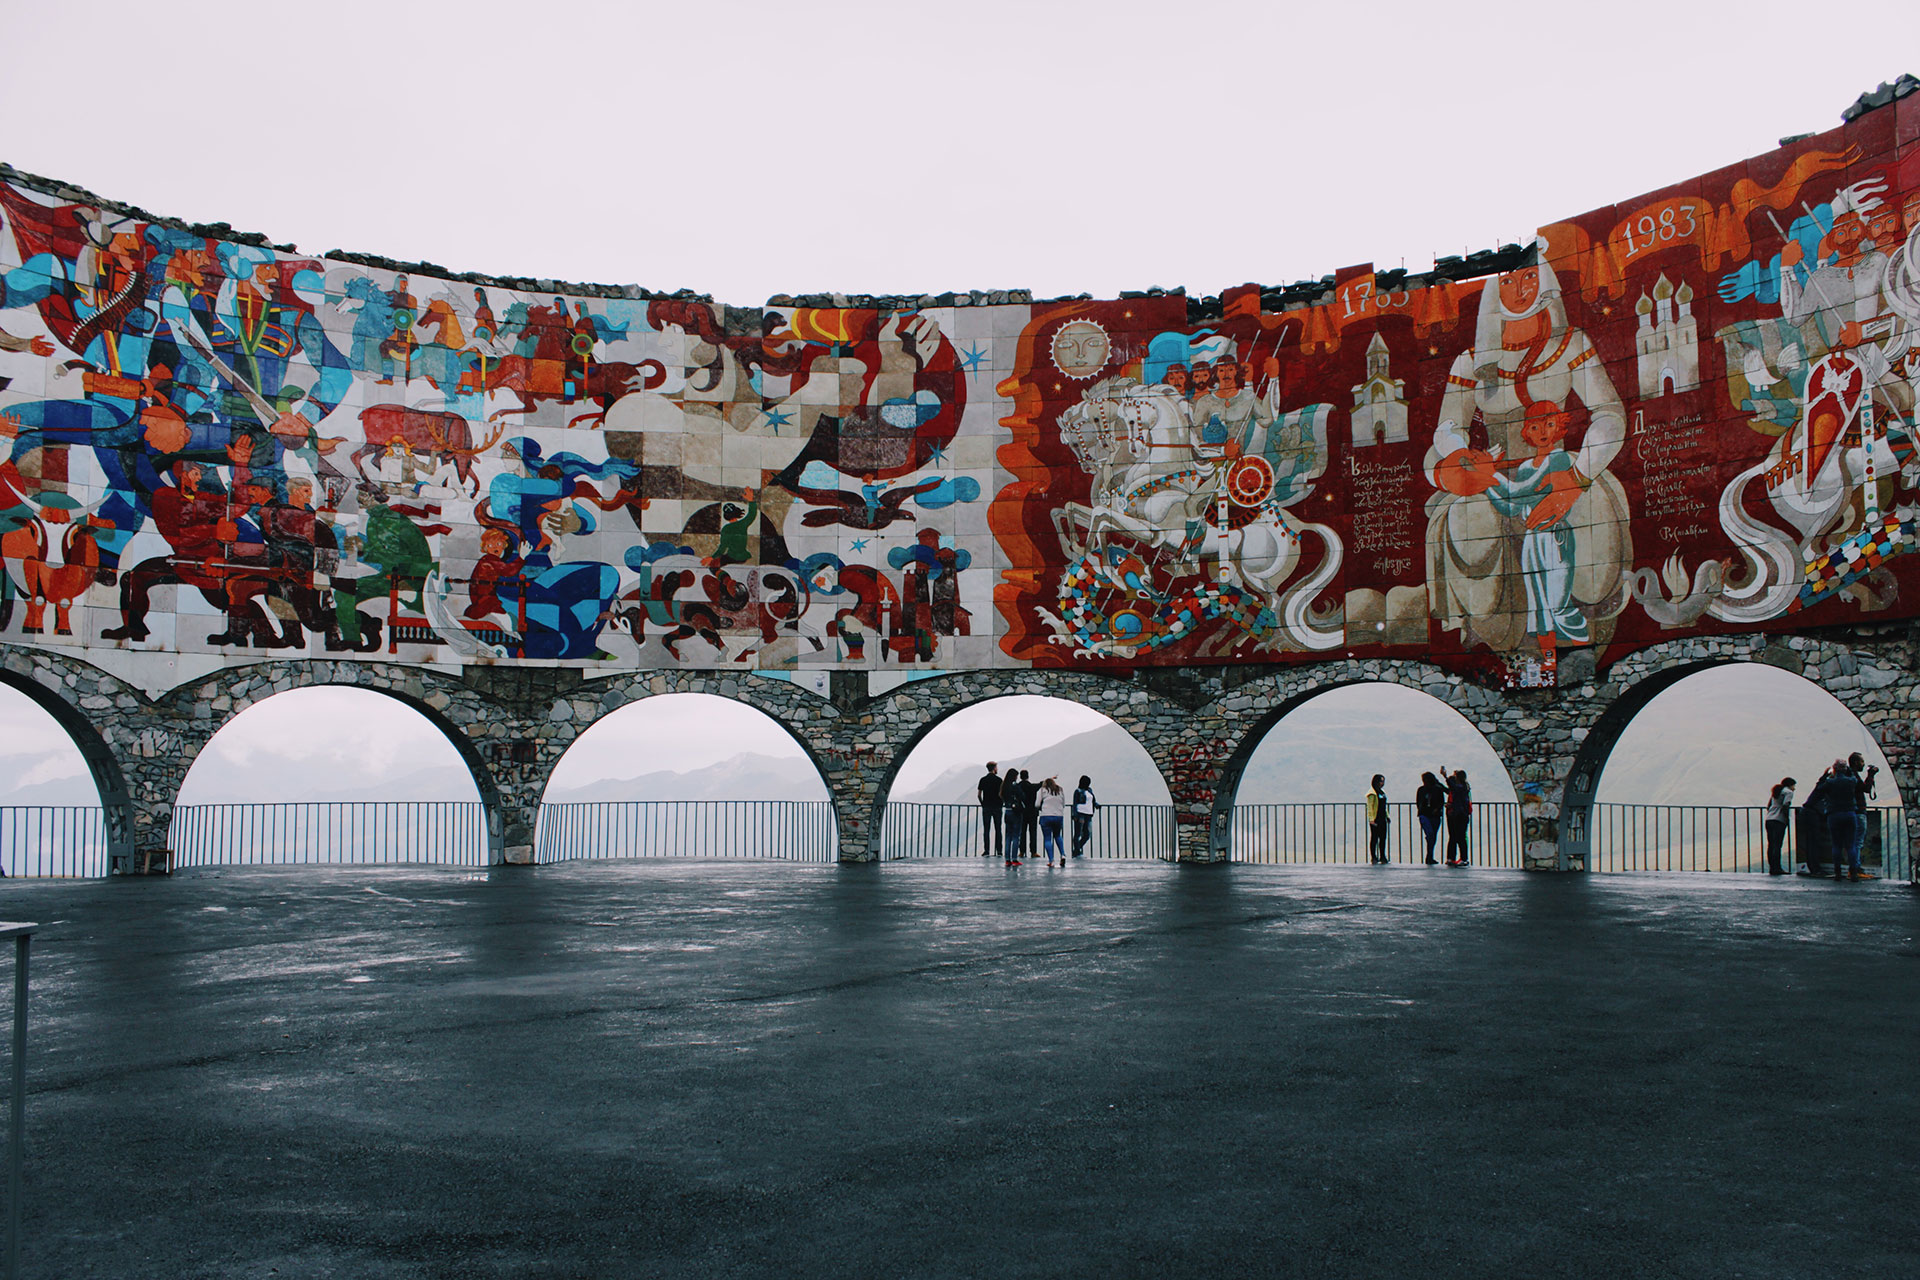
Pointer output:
x,y
1525,353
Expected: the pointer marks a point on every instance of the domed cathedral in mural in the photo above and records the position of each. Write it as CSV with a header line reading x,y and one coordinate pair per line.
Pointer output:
x,y
1692,412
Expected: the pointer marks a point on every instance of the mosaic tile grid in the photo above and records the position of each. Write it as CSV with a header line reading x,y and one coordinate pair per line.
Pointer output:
x,y
1690,411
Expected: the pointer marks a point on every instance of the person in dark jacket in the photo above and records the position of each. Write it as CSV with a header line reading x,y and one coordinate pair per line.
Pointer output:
x,y
1459,818
1836,794
1813,814
988,789
1030,814
1430,805
1856,791
1014,805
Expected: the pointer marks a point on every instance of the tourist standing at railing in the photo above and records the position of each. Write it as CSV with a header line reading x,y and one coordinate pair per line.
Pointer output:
x,y
1779,806
1030,814
1013,804
1834,796
1430,804
1085,805
988,789
1459,818
1377,820
1820,802
1862,787
1053,816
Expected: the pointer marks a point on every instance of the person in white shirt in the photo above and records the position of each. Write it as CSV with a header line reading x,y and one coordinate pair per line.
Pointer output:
x,y
1779,805
1053,812
1085,805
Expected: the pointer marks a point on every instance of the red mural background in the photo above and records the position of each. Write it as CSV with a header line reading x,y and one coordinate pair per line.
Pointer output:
x,y
1692,411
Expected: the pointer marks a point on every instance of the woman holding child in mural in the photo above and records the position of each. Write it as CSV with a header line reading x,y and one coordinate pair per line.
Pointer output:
x,y
1528,536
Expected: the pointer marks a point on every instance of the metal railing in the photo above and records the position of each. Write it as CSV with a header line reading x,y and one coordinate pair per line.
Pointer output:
x,y
783,830
53,840
349,831
1649,837
1337,832
1120,831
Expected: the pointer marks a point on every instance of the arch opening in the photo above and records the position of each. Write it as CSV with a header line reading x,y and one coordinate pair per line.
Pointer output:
x,y
1681,778
62,798
687,775
336,774
932,798
1297,787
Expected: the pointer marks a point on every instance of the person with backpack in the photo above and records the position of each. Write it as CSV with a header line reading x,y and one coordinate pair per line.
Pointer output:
x,y
1085,805
1429,804
1377,820
1779,806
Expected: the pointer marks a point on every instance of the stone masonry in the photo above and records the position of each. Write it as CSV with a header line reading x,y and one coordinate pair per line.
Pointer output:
x,y
1200,725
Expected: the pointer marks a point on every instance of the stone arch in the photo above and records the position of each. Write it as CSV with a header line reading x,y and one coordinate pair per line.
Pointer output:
x,y
627,694
116,800
429,694
808,718
1871,681
890,725
921,731
583,727
1264,704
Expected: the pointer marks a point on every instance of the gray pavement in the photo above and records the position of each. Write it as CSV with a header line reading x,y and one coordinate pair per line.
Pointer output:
x,y
649,1069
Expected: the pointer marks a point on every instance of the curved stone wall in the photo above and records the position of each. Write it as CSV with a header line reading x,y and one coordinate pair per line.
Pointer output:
x,y
1688,414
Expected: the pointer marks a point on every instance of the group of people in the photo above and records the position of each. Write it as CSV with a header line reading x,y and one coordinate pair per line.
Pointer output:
x,y
1838,801
1016,812
1451,800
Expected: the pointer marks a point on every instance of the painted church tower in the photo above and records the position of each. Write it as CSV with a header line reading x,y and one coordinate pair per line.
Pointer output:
x,y
1668,340
1379,403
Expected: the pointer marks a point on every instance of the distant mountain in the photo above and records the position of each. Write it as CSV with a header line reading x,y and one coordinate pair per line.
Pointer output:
x,y
55,778
745,777
1121,769
276,779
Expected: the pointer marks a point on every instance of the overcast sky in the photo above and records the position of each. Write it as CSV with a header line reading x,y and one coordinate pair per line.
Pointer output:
x,y
746,149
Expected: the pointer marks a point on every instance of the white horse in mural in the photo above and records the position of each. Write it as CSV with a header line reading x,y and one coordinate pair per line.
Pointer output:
x,y
1154,485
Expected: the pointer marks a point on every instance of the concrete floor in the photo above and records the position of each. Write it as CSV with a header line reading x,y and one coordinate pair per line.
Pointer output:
x,y
956,1070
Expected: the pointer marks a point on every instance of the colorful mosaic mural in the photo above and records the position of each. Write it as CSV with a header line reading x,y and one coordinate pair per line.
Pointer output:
x,y
1691,411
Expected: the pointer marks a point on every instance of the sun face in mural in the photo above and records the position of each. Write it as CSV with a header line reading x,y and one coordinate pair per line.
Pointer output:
x,y
1081,349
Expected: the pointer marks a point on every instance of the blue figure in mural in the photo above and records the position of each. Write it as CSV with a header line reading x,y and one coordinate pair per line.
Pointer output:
x,y
372,327
558,609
